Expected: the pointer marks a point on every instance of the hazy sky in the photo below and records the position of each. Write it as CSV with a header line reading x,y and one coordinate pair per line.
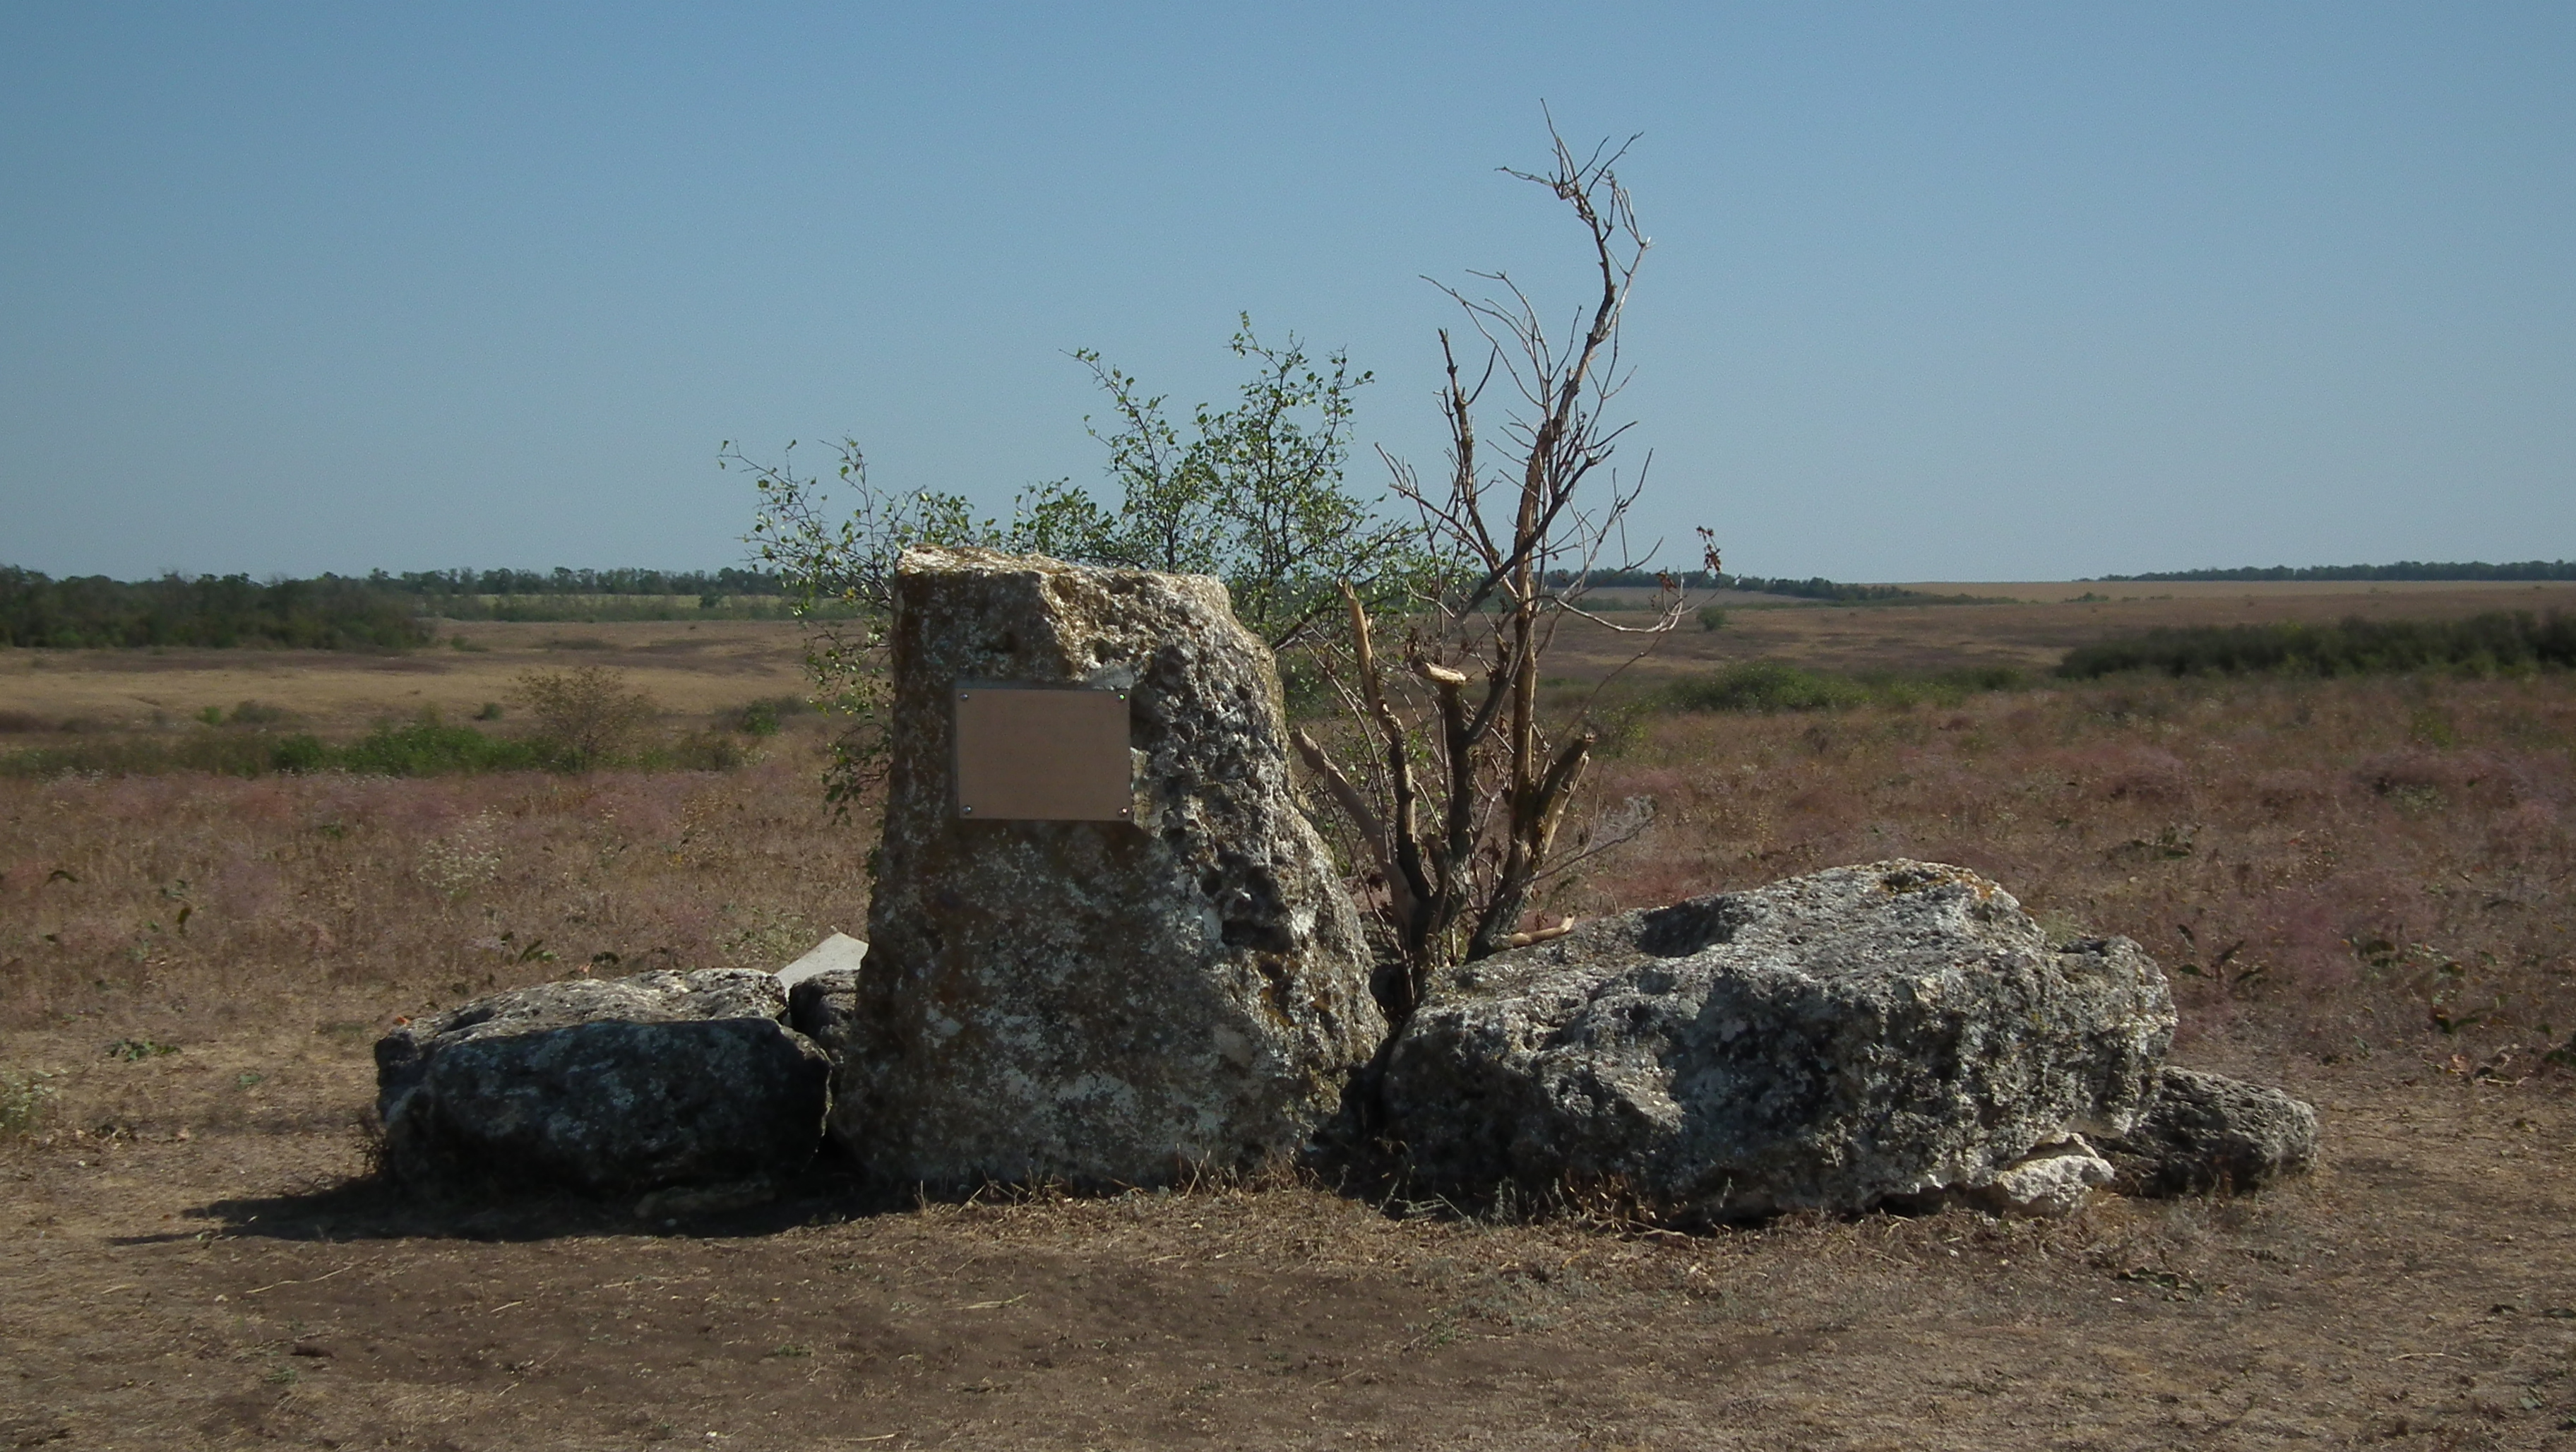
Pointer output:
x,y
1938,291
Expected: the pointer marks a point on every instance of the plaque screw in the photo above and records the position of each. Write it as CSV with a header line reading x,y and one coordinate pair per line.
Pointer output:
x,y
961,695
966,811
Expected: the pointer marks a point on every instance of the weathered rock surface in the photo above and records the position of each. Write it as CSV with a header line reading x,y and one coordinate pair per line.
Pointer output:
x,y
608,1086
823,992
2206,1132
824,1007
1098,1001
1893,1030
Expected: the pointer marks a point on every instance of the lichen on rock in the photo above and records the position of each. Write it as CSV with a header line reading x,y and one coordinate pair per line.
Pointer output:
x,y
2204,1131
1900,1029
606,1086
1101,1002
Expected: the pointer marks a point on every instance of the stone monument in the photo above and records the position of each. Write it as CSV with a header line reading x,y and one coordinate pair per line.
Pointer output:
x,y
1105,945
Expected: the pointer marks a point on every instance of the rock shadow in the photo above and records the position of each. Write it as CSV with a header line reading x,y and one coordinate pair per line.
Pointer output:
x,y
378,1207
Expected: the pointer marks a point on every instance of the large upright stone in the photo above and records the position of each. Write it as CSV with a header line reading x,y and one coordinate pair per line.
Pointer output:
x,y
1099,1001
1863,1034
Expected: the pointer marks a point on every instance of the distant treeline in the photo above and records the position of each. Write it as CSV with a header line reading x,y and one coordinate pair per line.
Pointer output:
x,y
1814,588
90,611
2402,570
561,581
2499,640
377,611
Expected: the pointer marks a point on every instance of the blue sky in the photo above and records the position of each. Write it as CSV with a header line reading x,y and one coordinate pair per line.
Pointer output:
x,y
1938,292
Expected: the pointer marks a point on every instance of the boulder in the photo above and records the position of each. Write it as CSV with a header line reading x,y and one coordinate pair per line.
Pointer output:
x,y
1102,1001
609,1086
1891,1031
2209,1132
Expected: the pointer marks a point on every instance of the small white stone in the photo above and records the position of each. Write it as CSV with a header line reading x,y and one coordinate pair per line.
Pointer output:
x,y
838,951
2052,1181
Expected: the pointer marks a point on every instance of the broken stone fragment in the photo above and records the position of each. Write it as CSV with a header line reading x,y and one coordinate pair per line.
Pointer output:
x,y
823,992
611,1086
2051,1181
1888,1031
1102,1001
837,953
823,1006
2205,1132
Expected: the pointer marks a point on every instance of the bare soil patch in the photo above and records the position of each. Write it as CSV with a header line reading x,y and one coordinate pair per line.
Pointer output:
x,y
228,1288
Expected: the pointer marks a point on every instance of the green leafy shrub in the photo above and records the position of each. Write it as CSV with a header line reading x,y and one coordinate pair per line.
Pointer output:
x,y
301,752
1766,685
427,746
23,1093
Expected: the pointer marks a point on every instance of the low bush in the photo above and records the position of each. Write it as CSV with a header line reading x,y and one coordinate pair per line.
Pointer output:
x,y
23,1093
584,716
701,751
763,716
2499,642
428,746
1766,685
1771,685
223,753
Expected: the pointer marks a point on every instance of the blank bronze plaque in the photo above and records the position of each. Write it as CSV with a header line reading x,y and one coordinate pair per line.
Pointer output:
x,y
1035,755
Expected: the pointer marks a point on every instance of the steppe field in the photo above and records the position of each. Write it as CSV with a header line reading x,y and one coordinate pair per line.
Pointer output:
x,y
2362,889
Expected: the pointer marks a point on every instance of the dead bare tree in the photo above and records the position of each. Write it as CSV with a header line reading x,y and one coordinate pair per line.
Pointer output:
x,y
1465,787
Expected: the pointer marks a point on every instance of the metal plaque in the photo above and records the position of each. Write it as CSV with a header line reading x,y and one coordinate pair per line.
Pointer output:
x,y
1031,754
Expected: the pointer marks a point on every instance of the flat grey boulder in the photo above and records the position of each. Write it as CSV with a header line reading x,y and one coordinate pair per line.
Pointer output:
x,y
610,1086
1101,1001
2208,1132
1896,1030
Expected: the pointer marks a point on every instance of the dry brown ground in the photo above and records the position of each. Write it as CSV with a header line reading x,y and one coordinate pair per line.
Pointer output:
x,y
213,1291
190,1260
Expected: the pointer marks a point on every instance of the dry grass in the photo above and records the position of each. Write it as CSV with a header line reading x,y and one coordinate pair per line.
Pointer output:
x,y
2344,867
693,670
2339,867
187,905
